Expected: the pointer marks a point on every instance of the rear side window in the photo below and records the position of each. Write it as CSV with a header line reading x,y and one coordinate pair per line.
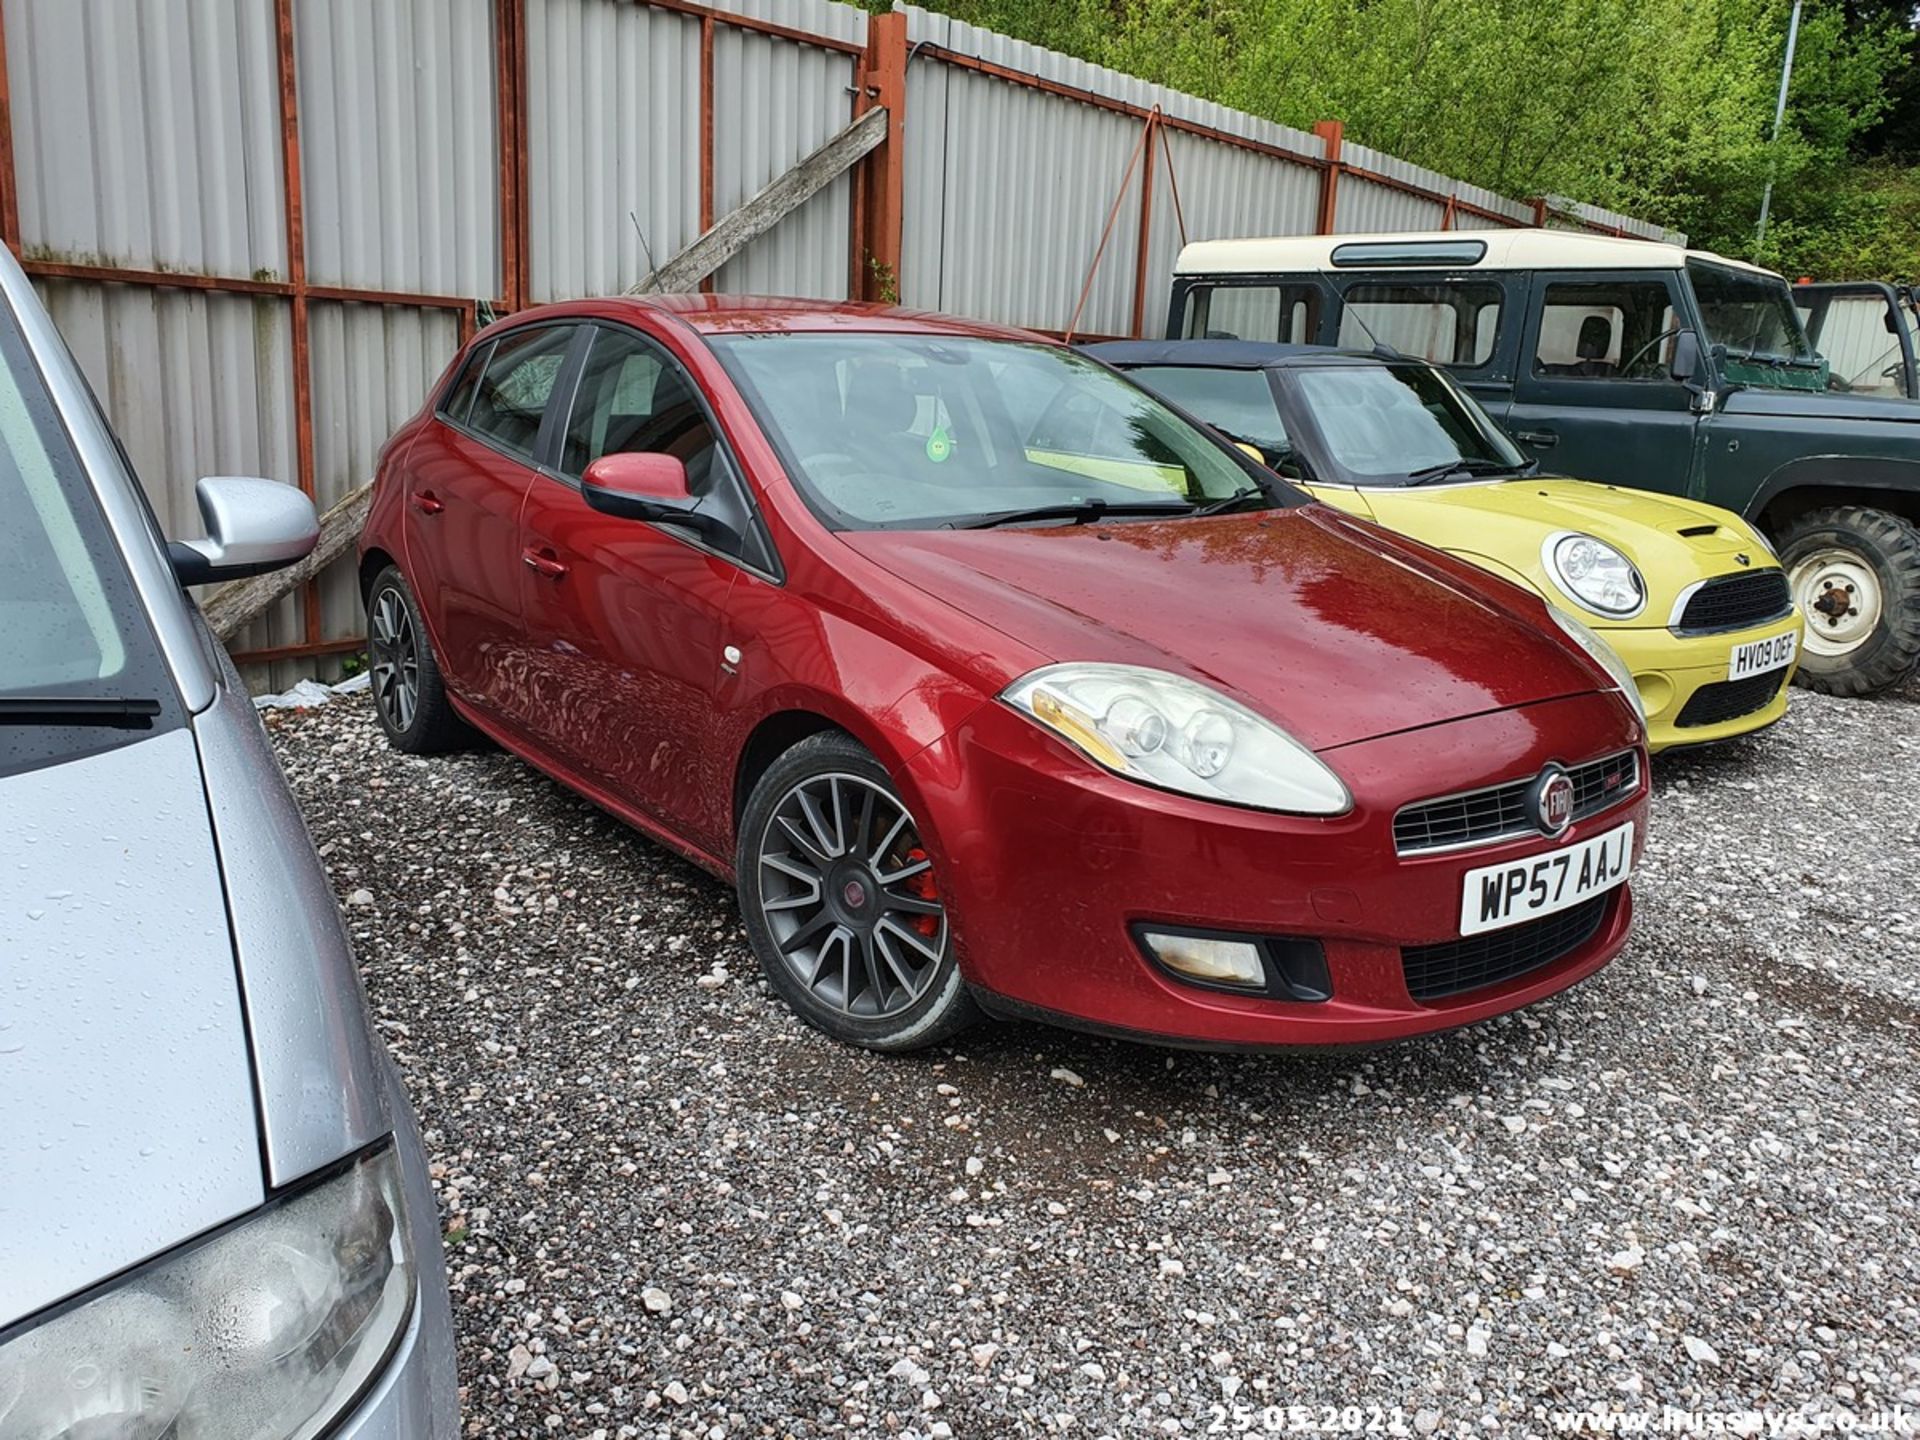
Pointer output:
x,y
1289,314
460,399
1606,330
1447,324
513,390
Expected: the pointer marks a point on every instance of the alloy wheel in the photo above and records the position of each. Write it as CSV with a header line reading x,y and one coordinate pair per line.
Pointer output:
x,y
847,893
394,653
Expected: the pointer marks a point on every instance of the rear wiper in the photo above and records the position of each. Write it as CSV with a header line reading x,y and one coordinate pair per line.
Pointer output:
x,y
1448,469
123,713
1080,512
1227,502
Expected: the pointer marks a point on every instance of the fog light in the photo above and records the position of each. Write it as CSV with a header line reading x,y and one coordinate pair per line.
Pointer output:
x,y
1200,957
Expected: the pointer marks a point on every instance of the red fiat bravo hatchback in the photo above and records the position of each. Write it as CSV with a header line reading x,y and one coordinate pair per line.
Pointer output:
x,y
991,681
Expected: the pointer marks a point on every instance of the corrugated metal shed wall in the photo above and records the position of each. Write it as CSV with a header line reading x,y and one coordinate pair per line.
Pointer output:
x,y
148,137
400,158
613,119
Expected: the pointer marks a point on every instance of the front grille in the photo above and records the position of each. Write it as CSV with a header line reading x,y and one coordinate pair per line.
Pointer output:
x,y
1729,700
1500,811
1452,966
1733,602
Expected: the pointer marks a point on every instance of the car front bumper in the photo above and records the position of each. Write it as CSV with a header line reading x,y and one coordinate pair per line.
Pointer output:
x,y
415,1396
1684,686
1049,863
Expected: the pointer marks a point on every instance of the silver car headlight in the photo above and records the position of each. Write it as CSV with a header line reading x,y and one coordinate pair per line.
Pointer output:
x,y
265,1332
1595,574
1168,731
1604,654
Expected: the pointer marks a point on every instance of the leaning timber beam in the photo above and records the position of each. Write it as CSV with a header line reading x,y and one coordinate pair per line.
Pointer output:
x,y
732,234
230,608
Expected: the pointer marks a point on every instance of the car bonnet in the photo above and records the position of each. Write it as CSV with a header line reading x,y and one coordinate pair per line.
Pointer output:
x,y
127,1116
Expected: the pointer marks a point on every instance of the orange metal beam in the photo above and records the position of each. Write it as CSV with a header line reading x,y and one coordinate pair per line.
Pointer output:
x,y
303,454
9,195
706,134
882,80
1331,133
1146,226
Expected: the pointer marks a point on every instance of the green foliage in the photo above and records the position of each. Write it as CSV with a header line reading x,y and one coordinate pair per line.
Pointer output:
x,y
1660,108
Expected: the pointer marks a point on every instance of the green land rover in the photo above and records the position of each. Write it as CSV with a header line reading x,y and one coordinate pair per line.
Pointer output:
x,y
1630,363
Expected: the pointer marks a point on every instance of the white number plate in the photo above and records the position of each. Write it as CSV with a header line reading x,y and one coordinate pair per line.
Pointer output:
x,y
1500,895
1756,657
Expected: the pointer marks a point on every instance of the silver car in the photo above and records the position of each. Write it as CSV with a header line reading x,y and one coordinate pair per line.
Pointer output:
x,y
215,1216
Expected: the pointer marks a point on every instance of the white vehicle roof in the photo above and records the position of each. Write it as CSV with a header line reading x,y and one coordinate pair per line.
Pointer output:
x,y
1530,249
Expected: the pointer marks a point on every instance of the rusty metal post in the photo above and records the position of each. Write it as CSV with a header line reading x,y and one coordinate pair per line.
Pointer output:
x,y
509,34
706,133
1331,133
882,80
9,194
304,462
1146,227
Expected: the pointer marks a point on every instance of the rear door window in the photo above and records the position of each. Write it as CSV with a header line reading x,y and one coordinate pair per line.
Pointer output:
x,y
1447,323
514,389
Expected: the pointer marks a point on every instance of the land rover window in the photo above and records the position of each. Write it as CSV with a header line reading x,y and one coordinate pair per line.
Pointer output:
x,y
1286,313
1448,324
1606,330
514,388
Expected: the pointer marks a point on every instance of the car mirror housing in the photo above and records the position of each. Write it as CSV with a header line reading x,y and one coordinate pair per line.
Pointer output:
x,y
1685,365
253,526
635,485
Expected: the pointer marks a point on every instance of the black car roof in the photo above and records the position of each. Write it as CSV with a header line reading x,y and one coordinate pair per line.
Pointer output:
x,y
1226,354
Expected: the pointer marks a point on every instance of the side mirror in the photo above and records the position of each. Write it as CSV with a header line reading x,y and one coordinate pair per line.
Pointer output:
x,y
645,486
1686,356
253,526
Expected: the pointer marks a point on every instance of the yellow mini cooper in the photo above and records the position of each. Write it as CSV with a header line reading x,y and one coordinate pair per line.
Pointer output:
x,y
1688,594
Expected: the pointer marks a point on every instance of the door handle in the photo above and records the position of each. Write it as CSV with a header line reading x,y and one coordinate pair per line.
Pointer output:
x,y
541,564
1539,439
427,503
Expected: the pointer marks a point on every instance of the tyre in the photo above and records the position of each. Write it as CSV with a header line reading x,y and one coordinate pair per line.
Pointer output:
x,y
841,902
1855,574
408,694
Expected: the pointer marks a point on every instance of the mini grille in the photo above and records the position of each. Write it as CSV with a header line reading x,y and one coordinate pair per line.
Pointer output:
x,y
1452,966
1729,700
1734,602
1501,810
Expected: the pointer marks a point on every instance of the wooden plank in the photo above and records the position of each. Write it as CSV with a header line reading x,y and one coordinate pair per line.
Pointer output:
x,y
232,607
732,234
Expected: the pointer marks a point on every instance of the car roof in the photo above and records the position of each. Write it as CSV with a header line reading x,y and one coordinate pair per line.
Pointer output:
x,y
776,314
1521,249
1229,354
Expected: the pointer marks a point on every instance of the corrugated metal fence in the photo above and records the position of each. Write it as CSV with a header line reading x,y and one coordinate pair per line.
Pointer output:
x,y
263,225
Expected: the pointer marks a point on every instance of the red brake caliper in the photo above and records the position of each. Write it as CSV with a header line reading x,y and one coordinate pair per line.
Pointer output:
x,y
922,885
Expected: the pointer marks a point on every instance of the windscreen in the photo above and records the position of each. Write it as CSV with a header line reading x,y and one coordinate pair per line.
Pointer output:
x,y
1237,403
1750,320
1391,424
921,431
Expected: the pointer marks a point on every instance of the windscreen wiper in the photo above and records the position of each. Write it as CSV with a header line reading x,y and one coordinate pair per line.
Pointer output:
x,y
109,710
1772,358
1446,470
1079,511
1228,502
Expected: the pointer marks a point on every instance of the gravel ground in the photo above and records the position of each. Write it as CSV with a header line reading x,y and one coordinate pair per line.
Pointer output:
x,y
673,1210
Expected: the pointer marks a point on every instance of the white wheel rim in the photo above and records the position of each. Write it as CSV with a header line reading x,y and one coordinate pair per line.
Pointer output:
x,y
1839,594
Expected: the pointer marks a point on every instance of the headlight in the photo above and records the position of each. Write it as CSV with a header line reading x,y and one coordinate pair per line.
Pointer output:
x,y
1595,575
1158,728
267,1330
1603,653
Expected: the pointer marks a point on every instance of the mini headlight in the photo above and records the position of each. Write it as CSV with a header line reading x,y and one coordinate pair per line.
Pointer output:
x,y
269,1329
1595,575
1180,735
1576,630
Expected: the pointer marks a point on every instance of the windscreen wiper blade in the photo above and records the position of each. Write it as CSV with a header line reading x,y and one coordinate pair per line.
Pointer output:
x,y
109,710
1079,511
1227,502
1447,469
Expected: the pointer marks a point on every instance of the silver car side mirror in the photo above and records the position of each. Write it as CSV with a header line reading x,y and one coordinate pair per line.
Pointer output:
x,y
253,526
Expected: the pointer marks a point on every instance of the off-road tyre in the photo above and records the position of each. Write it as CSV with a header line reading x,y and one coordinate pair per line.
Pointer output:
x,y
1875,643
